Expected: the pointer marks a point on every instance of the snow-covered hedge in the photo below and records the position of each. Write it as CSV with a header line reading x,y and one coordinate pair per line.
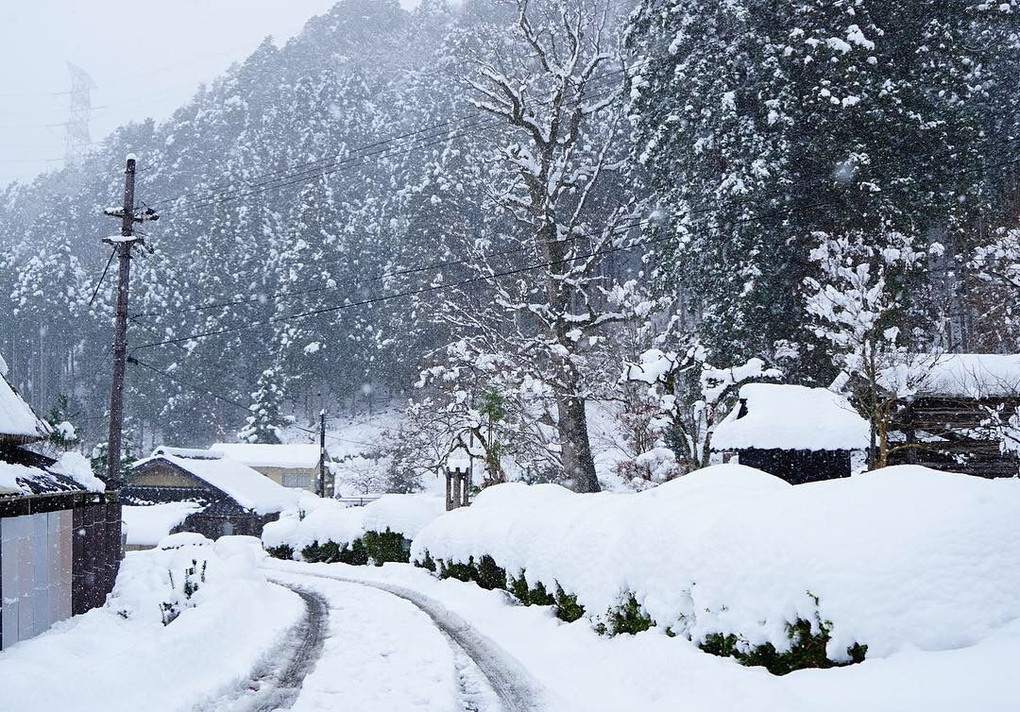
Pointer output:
x,y
742,562
326,530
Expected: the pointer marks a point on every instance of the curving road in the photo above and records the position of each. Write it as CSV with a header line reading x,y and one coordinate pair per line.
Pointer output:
x,y
276,684
513,687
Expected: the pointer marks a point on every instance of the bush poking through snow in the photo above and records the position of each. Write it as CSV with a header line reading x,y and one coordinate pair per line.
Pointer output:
x,y
192,576
807,649
628,617
374,547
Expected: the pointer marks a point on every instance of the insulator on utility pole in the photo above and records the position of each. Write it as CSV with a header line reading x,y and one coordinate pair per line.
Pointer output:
x,y
122,245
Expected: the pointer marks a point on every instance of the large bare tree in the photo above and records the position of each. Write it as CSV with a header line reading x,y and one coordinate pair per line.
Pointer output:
x,y
551,179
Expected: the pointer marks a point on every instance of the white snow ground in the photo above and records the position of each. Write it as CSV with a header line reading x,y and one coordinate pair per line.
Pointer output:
x,y
121,658
651,672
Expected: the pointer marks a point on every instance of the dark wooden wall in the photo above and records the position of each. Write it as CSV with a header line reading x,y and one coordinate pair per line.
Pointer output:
x,y
799,466
961,445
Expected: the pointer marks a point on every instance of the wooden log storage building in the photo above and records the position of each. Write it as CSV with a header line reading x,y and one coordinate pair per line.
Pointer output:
x,y
796,433
60,534
232,498
959,415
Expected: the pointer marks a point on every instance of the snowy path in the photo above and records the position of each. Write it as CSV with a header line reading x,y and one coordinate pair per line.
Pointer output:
x,y
276,683
391,648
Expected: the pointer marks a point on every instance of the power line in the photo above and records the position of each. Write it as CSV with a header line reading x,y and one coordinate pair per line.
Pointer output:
x,y
330,165
229,401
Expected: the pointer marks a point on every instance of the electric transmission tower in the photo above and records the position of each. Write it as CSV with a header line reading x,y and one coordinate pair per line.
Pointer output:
x,y
78,139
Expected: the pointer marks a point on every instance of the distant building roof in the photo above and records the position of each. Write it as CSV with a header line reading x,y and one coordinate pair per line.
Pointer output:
x,y
287,455
249,488
18,424
776,416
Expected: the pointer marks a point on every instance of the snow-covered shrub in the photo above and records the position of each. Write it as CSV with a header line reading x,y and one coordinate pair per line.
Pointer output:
x,y
325,531
740,562
180,599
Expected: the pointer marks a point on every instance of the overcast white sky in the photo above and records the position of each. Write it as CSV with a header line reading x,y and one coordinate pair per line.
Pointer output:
x,y
145,56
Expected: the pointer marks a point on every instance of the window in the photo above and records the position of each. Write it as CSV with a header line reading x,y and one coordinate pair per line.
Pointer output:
x,y
290,480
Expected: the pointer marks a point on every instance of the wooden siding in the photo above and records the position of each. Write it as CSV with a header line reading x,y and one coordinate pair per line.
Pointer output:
x,y
953,421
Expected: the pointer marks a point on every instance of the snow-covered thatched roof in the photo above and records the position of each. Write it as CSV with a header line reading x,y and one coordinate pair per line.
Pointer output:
x,y
18,423
775,416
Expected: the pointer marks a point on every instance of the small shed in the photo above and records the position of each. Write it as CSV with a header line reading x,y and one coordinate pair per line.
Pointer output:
x,y
59,533
230,497
294,465
796,433
961,414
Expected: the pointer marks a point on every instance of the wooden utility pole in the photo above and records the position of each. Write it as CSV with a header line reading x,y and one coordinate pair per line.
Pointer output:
x,y
321,485
122,246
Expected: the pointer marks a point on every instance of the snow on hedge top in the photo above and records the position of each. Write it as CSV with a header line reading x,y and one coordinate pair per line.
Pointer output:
x,y
328,520
788,417
17,421
289,455
249,488
904,556
959,375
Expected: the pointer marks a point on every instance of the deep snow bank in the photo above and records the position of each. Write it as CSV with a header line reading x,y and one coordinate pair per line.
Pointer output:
x,y
318,521
122,657
900,557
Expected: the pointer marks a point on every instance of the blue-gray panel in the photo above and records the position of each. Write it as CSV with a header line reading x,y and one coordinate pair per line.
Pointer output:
x,y
26,585
66,562
9,576
40,573
53,546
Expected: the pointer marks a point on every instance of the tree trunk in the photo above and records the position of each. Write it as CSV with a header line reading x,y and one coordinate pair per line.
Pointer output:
x,y
572,424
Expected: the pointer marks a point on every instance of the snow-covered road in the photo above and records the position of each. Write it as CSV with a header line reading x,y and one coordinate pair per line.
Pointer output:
x,y
391,648
277,681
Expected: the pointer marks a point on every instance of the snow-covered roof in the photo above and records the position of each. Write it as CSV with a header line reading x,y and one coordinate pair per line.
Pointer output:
x,y
287,455
789,417
957,375
21,479
17,421
249,488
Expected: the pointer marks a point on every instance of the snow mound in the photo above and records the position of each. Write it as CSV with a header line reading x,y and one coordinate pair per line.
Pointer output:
x,y
149,525
225,629
328,520
897,558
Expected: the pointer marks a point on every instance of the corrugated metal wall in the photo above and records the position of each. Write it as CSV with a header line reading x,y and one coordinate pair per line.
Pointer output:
x,y
36,564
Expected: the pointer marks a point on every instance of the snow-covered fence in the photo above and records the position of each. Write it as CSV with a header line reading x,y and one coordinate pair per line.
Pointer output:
x,y
742,563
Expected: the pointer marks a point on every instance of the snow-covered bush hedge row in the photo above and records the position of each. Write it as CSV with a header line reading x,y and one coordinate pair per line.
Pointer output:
x,y
743,563
327,531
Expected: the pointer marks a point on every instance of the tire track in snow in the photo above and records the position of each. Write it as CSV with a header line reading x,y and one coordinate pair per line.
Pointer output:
x,y
516,688
275,684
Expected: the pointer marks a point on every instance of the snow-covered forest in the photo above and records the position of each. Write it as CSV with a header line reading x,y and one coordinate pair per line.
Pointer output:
x,y
492,214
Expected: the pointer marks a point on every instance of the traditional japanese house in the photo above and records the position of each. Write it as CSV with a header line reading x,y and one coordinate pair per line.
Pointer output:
x,y
293,465
231,497
797,433
60,535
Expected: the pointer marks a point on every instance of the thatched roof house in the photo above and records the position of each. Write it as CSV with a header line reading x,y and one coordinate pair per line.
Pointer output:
x,y
797,433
